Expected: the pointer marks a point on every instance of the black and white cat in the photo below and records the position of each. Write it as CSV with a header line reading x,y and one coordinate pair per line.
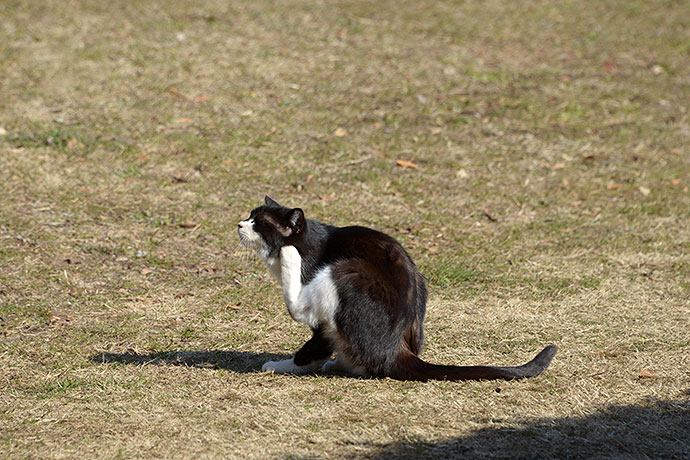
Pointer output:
x,y
362,296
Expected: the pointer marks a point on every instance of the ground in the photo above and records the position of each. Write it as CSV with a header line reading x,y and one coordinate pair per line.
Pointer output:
x,y
533,157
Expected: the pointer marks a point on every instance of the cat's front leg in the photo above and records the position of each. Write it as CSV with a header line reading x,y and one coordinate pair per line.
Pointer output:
x,y
291,280
307,360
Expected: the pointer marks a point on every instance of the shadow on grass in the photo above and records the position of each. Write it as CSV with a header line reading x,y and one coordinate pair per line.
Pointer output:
x,y
654,429
236,361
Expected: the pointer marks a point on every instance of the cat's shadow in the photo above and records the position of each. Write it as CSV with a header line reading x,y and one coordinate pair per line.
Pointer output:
x,y
236,361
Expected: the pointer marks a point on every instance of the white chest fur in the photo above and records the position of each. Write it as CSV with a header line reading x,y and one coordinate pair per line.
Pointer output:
x,y
314,303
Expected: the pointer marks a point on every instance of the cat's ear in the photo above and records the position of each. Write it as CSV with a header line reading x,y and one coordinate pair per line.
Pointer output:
x,y
296,220
270,202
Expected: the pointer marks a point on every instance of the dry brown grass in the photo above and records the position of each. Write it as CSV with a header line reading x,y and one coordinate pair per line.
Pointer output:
x,y
134,137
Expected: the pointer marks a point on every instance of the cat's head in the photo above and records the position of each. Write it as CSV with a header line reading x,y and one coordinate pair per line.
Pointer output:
x,y
270,227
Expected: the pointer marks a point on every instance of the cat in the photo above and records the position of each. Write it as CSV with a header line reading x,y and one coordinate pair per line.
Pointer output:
x,y
362,296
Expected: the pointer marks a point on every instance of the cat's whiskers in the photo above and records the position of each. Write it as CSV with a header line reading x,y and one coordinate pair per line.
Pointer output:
x,y
249,250
249,255
244,254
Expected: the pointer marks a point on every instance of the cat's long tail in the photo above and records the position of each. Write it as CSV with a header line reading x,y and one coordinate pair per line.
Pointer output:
x,y
410,367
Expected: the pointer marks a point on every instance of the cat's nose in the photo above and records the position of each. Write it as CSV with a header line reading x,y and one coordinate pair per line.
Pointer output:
x,y
239,225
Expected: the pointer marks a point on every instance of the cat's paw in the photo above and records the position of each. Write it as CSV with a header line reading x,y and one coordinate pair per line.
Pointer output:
x,y
330,366
340,366
286,366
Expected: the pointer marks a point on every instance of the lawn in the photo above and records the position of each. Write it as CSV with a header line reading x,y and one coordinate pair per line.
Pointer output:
x,y
532,156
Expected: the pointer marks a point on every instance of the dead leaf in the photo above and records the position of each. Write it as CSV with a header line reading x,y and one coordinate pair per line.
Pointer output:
x,y
675,182
186,225
587,156
644,190
613,186
340,132
184,120
432,250
646,375
558,166
72,143
406,164
200,99
175,92
609,66
270,131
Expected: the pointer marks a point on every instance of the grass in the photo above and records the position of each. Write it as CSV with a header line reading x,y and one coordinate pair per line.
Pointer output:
x,y
550,204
